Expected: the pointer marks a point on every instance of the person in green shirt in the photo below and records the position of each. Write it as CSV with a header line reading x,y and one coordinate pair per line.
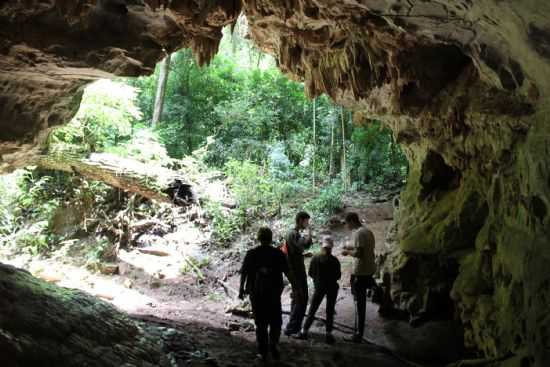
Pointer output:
x,y
364,267
325,270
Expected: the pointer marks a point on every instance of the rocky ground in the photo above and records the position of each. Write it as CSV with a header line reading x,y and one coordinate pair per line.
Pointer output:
x,y
182,292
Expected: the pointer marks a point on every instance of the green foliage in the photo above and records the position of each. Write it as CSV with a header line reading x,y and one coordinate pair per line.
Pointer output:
x,y
144,146
240,115
36,202
248,182
9,216
34,237
194,265
39,195
98,253
104,119
375,157
225,224
328,200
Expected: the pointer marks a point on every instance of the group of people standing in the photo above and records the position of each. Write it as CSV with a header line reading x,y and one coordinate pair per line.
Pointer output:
x,y
262,279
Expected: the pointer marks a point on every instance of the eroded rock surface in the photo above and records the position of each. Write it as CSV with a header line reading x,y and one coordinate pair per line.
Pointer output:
x,y
464,85
50,49
45,325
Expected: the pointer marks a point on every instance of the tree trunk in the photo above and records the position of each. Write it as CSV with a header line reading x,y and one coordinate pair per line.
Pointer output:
x,y
331,157
151,182
161,90
344,165
314,140
42,324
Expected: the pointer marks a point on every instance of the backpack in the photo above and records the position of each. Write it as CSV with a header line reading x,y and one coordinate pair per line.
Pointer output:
x,y
284,248
264,282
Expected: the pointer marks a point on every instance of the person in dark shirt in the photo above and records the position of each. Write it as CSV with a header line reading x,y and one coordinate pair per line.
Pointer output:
x,y
325,271
262,279
297,243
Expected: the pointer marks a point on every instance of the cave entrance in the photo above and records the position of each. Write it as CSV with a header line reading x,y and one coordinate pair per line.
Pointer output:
x,y
236,146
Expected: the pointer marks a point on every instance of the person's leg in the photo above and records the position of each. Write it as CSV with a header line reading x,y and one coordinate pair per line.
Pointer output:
x,y
298,309
302,305
275,324
261,322
332,294
316,300
291,325
360,306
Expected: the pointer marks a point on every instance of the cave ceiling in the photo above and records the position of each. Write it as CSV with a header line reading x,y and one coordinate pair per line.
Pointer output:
x,y
395,60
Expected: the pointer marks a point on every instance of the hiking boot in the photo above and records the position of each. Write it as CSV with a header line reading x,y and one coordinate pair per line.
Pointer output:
x,y
329,339
275,353
354,339
301,335
290,333
262,357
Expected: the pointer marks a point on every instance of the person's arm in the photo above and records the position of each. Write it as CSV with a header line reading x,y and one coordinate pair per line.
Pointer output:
x,y
338,270
244,274
313,268
308,240
303,243
349,250
357,250
359,243
284,266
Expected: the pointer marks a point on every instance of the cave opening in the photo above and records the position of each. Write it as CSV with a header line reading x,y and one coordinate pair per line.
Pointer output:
x,y
153,211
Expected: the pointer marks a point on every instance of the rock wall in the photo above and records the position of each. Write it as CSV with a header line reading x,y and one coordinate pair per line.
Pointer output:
x,y
50,49
464,85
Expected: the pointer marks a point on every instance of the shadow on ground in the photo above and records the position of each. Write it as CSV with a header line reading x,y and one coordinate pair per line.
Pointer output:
x,y
205,345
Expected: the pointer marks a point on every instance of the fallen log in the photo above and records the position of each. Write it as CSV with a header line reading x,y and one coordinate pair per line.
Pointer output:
x,y
149,181
146,224
153,251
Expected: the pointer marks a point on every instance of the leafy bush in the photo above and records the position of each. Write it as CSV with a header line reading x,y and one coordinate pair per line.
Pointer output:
x,y
35,237
9,216
104,119
327,201
280,167
144,146
252,188
225,224
98,253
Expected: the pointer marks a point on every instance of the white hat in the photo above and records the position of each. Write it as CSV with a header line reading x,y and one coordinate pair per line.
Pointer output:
x,y
327,242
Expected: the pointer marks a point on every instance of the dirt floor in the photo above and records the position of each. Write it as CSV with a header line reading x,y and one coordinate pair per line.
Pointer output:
x,y
191,300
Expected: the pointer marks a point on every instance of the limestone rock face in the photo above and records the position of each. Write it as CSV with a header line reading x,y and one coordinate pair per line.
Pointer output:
x,y
50,49
465,86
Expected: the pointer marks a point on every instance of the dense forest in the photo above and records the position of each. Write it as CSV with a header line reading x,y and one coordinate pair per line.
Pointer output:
x,y
238,119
